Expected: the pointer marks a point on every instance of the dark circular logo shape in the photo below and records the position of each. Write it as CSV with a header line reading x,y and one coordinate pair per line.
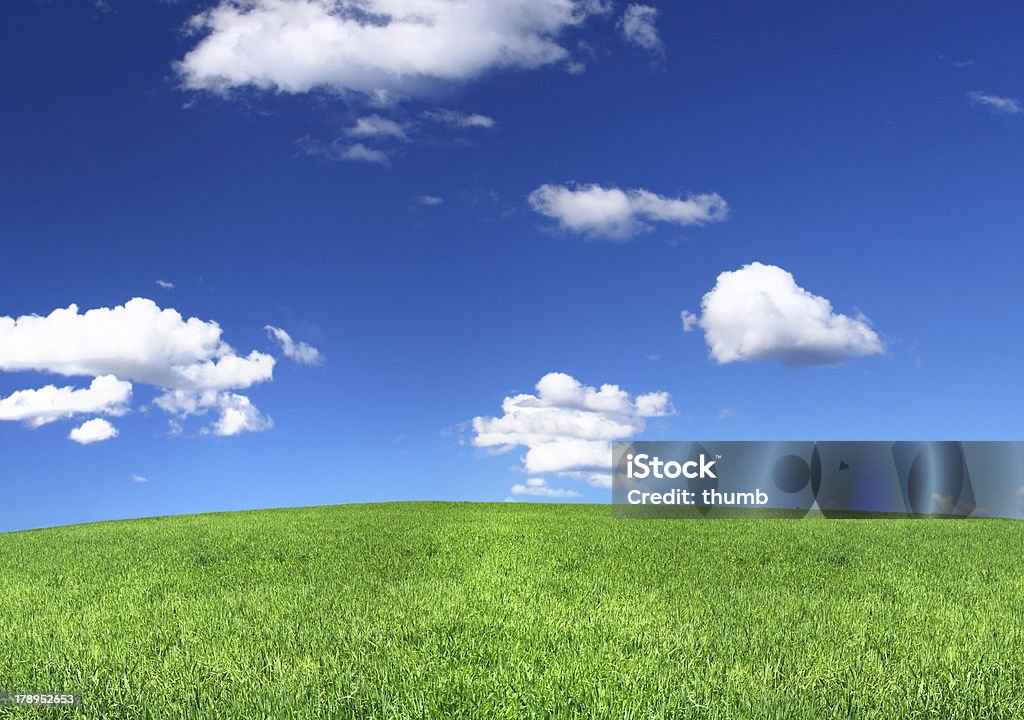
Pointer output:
x,y
791,473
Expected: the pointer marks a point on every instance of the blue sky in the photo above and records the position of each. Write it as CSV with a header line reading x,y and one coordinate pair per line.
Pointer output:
x,y
867,155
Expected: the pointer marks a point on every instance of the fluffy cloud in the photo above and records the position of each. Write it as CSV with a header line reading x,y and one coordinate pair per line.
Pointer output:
x,y
236,412
1005,105
458,119
759,313
376,47
93,431
567,427
638,27
135,342
538,487
238,415
106,395
619,214
300,352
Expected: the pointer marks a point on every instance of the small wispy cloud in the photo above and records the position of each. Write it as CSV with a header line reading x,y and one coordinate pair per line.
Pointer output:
x,y
638,25
538,487
139,479
997,103
454,118
363,153
300,352
378,126
960,64
338,150
429,200
165,284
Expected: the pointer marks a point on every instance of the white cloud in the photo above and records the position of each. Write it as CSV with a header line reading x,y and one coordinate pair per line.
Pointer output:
x,y
93,431
458,119
1005,105
638,25
598,7
237,414
619,214
135,342
377,126
339,150
375,47
139,479
357,142
538,487
300,352
567,427
429,200
228,371
759,313
106,395
363,153
166,285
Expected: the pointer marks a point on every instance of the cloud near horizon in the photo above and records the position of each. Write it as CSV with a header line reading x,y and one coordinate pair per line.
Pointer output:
x,y
621,214
187,360
760,313
538,487
567,428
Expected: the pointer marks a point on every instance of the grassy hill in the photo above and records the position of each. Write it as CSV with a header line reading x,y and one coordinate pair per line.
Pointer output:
x,y
434,610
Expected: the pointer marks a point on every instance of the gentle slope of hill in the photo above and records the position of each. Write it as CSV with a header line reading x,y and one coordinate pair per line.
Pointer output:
x,y
435,610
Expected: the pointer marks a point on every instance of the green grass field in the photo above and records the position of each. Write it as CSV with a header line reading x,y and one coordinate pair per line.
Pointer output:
x,y
434,610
